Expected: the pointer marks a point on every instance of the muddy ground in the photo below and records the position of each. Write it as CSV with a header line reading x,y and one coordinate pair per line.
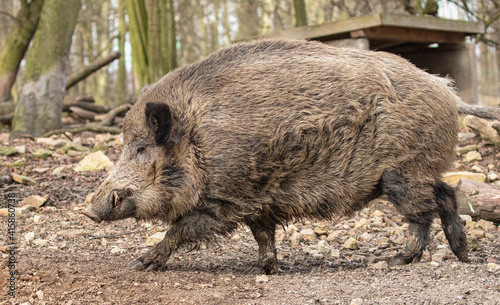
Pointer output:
x,y
64,258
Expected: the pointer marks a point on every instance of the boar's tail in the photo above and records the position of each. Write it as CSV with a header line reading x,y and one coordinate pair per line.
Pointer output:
x,y
489,113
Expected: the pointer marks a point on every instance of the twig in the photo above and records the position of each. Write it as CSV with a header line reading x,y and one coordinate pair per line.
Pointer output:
x,y
116,235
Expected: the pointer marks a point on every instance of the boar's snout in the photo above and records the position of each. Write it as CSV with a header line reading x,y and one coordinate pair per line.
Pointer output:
x,y
110,204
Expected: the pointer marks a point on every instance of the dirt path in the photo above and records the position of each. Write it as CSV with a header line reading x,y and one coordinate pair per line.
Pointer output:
x,y
64,258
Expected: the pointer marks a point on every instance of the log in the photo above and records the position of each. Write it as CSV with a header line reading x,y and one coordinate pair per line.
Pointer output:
x,y
485,129
82,113
73,79
7,108
478,199
107,119
87,106
90,127
84,98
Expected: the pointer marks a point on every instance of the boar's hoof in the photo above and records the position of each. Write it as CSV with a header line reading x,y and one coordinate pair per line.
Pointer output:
x,y
153,260
403,259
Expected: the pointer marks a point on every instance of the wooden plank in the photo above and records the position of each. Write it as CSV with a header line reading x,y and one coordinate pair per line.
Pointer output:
x,y
431,23
409,34
337,28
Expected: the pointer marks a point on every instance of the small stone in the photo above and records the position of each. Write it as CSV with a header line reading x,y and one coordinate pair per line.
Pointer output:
x,y
382,242
486,225
493,177
493,267
116,250
434,264
358,258
295,239
335,253
74,153
357,301
95,161
23,179
40,242
382,265
99,146
477,232
21,149
7,151
155,238
472,156
478,169
51,143
378,213
321,230
489,235
72,146
37,218
351,243
365,237
29,236
35,201
62,171
40,295
41,153
440,255
465,149
333,236
465,217
308,234
41,170
454,177
361,223
280,235
261,279
470,224
63,244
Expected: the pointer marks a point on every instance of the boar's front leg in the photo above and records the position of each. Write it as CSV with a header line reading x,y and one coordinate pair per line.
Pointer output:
x,y
263,232
202,223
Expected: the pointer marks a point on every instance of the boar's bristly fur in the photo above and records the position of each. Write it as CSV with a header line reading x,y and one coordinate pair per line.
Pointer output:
x,y
264,132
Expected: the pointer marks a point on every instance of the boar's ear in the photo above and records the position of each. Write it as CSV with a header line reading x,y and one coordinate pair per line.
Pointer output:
x,y
163,123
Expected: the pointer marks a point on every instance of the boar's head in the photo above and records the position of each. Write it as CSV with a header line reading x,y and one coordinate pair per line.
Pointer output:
x,y
152,179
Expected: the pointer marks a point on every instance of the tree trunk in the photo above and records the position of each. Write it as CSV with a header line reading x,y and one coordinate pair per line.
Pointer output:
x,y
300,13
42,92
121,85
138,25
169,36
16,44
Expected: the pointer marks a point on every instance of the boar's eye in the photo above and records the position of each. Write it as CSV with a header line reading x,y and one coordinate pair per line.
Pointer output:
x,y
140,149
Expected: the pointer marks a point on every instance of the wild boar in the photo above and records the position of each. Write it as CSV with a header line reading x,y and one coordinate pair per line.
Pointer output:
x,y
264,132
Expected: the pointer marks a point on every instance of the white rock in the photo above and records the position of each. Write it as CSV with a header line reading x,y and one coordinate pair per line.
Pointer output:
x,y
37,218
155,238
472,156
95,161
40,242
365,237
29,236
357,301
454,177
351,243
40,295
361,223
295,239
465,217
493,267
261,279
382,265
486,225
308,234
493,177
335,253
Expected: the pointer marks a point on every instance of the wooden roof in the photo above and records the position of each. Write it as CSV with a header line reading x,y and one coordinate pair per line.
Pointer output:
x,y
385,30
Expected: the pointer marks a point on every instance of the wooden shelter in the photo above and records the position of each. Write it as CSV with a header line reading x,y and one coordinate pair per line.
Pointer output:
x,y
439,46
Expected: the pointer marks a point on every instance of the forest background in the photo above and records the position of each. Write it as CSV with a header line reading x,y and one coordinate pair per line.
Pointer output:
x,y
155,36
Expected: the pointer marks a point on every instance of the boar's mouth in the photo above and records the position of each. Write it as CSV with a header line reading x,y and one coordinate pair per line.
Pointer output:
x,y
91,215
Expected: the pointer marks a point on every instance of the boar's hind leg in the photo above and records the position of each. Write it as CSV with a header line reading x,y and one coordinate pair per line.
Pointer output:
x,y
263,232
450,221
417,204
